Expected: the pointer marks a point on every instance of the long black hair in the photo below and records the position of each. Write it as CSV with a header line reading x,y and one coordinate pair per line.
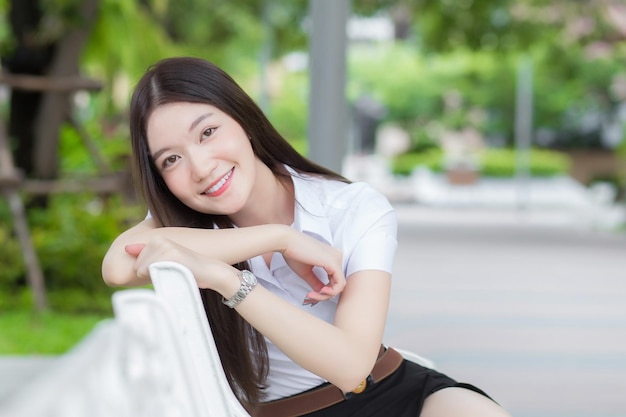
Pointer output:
x,y
242,349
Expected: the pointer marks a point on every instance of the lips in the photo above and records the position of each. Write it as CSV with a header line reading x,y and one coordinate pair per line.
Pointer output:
x,y
217,187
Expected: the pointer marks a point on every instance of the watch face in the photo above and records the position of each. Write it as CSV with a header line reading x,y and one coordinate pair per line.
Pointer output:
x,y
248,277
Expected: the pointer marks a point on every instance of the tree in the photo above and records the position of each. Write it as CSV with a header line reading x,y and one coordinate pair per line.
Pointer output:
x,y
48,40
40,106
28,54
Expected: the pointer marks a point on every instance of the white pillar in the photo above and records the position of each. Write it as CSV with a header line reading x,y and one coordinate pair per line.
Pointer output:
x,y
328,110
523,130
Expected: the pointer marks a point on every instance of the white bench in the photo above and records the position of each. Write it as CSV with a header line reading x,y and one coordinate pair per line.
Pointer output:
x,y
157,358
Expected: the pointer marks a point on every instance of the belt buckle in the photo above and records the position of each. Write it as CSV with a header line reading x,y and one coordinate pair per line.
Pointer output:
x,y
360,388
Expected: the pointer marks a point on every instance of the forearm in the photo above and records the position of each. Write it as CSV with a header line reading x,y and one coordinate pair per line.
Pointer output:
x,y
227,245
343,352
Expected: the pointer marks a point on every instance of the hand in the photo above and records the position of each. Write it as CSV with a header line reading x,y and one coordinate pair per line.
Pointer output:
x,y
303,253
209,273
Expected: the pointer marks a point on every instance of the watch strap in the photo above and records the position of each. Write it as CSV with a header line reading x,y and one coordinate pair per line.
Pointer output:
x,y
248,282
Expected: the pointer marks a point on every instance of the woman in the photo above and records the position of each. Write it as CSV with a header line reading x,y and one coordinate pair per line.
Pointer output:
x,y
234,202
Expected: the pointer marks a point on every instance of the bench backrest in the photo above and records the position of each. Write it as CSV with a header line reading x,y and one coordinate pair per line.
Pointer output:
x,y
156,358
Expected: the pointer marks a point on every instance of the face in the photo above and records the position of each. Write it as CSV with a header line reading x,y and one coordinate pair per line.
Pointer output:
x,y
203,155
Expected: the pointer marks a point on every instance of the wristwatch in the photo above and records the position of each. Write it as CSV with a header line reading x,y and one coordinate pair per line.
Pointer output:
x,y
248,282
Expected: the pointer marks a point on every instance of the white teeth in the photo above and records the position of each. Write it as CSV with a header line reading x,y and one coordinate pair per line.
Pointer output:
x,y
219,183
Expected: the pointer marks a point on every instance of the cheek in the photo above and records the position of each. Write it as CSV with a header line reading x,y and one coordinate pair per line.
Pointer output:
x,y
174,182
238,146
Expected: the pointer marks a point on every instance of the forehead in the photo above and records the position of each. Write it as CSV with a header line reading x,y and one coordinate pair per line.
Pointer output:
x,y
182,112
179,118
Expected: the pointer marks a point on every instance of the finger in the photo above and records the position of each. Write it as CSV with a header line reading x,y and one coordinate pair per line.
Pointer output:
x,y
310,278
329,290
309,302
134,249
325,293
332,287
336,283
315,296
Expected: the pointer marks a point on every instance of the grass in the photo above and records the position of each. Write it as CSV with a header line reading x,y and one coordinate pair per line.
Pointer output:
x,y
23,332
72,315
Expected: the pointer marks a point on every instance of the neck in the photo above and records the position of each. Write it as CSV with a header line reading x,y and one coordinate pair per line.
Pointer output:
x,y
272,201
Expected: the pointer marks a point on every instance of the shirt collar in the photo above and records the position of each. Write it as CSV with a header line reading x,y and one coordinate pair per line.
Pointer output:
x,y
310,215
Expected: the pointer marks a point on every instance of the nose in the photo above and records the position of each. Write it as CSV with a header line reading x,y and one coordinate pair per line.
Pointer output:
x,y
200,166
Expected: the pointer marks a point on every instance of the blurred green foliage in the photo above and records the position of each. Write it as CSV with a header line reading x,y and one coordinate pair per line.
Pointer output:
x,y
12,269
73,233
542,163
405,163
71,237
426,94
491,162
289,107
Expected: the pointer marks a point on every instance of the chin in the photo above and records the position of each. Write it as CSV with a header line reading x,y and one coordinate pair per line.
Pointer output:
x,y
215,211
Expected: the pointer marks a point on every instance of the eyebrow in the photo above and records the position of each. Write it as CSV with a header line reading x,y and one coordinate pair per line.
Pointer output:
x,y
198,120
159,153
191,127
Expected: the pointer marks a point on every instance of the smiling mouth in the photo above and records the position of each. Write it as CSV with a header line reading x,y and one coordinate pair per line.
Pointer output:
x,y
216,187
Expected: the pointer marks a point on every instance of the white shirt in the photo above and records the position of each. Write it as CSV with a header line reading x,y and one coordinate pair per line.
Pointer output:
x,y
352,217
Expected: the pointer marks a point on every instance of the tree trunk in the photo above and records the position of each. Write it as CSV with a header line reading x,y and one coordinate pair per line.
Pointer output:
x,y
401,16
55,106
9,183
29,57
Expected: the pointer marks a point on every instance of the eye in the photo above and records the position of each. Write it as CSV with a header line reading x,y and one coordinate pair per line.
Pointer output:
x,y
169,161
206,133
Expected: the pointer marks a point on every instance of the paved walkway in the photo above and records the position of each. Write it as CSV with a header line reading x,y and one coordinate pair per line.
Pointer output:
x,y
531,310
17,371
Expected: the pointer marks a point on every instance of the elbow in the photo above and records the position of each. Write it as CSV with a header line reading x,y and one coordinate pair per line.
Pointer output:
x,y
110,277
353,376
118,265
357,369
112,282
112,274
351,381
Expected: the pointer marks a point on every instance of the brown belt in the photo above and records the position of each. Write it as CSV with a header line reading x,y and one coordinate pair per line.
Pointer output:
x,y
387,363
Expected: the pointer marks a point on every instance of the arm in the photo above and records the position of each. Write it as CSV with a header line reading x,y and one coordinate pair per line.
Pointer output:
x,y
120,265
343,352
228,245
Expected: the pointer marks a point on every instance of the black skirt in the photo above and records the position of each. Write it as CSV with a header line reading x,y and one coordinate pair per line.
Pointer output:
x,y
402,394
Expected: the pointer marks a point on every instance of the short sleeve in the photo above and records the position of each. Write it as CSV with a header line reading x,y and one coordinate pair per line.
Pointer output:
x,y
377,246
